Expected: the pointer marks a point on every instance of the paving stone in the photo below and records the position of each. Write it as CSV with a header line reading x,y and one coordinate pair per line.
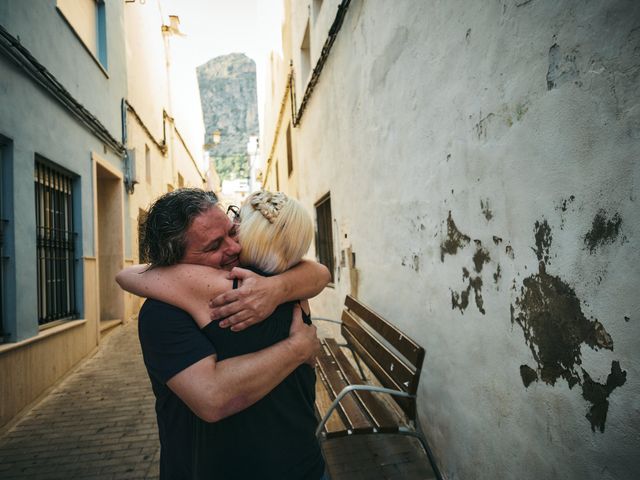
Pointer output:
x,y
99,423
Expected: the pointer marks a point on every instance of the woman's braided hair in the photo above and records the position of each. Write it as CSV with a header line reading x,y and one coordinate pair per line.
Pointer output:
x,y
275,231
269,204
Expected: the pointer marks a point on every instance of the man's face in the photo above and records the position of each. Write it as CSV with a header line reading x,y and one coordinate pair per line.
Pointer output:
x,y
212,240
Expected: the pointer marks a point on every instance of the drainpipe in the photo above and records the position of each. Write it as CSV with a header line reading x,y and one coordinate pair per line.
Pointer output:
x,y
129,181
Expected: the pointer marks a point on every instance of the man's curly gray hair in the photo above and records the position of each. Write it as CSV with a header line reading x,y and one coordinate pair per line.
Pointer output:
x,y
163,230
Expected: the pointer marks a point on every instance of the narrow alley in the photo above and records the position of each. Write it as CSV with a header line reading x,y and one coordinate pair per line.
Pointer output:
x,y
99,423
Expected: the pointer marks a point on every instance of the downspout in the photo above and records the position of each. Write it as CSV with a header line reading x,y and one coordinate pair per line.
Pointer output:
x,y
129,182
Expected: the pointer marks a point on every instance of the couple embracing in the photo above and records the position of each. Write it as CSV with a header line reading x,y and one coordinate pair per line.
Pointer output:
x,y
230,351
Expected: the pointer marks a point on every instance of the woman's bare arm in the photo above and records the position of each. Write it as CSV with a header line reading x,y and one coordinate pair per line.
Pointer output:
x,y
186,286
259,296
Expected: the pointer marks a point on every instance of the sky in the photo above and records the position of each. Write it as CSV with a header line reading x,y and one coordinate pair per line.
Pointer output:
x,y
218,27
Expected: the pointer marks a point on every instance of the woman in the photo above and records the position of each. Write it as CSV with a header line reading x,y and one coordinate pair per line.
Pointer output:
x,y
274,438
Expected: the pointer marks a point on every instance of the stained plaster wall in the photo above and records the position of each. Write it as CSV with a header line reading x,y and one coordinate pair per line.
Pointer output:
x,y
482,160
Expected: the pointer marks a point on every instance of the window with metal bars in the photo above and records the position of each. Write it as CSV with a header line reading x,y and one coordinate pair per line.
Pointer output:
x,y
324,236
55,243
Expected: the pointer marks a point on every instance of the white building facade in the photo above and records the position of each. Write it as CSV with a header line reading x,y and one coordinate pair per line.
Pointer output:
x,y
473,173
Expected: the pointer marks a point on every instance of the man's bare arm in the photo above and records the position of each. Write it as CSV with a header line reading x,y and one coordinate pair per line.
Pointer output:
x,y
214,390
258,296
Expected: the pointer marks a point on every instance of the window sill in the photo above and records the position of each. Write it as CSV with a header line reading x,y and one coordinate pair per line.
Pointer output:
x,y
49,332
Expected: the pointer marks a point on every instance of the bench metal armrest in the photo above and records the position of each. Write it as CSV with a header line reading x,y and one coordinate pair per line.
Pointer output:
x,y
351,388
327,320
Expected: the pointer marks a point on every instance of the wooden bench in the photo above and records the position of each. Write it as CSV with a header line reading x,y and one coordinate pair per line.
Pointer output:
x,y
346,401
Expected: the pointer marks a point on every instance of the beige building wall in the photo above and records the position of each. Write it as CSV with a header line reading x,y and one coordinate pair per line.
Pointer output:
x,y
165,129
40,122
482,165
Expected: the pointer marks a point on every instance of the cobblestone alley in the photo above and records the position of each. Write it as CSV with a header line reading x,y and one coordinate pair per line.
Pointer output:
x,y
99,423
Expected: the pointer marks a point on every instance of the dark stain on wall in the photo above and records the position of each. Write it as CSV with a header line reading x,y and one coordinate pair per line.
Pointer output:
x,y
597,394
497,275
565,203
555,328
486,210
542,233
626,319
461,300
497,240
603,230
454,240
528,375
509,251
480,257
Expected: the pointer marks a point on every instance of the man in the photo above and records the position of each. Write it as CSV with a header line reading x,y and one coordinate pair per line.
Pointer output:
x,y
190,385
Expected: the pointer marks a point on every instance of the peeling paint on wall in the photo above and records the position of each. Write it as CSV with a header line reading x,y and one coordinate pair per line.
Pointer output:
x,y
528,375
509,251
543,241
486,210
461,300
597,394
562,207
480,257
603,231
454,239
555,327
562,67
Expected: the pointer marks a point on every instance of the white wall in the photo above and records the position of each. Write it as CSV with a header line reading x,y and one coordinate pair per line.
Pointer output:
x,y
520,122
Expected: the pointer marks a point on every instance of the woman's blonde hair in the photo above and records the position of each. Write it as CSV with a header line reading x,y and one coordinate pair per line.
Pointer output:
x,y
275,231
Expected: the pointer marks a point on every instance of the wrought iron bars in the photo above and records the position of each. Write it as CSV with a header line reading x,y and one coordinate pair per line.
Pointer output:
x,y
55,244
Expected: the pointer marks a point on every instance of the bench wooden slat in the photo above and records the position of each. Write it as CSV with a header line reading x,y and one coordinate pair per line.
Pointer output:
x,y
395,368
383,420
353,415
406,404
405,345
335,425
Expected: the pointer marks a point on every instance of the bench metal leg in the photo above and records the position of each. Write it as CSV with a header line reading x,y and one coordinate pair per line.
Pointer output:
x,y
351,388
425,446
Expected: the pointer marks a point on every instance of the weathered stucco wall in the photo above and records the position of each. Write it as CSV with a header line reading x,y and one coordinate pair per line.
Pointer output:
x,y
482,159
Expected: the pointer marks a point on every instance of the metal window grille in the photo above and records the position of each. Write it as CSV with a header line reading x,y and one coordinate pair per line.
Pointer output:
x,y
55,244
324,238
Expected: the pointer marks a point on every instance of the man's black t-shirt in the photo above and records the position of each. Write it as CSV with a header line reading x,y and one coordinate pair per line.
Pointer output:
x,y
272,439
171,341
